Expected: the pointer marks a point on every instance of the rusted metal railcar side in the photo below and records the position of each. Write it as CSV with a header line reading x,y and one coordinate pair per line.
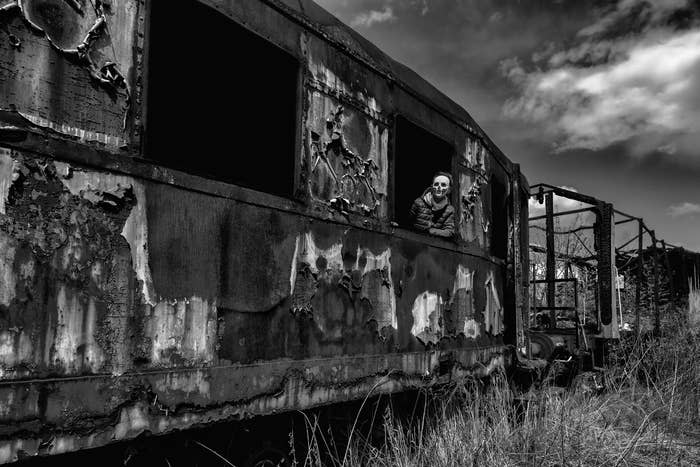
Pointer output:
x,y
137,297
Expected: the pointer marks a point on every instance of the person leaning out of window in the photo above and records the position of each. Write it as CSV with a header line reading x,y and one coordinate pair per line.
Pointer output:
x,y
432,212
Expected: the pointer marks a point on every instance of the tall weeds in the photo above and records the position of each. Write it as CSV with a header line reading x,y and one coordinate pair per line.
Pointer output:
x,y
648,415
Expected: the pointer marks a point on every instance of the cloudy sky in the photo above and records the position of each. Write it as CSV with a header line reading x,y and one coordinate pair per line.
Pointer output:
x,y
600,96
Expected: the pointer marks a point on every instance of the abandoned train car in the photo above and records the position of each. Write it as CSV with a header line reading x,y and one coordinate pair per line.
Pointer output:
x,y
182,245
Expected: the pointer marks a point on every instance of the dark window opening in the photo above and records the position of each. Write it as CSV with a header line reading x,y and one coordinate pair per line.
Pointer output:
x,y
221,100
418,155
500,213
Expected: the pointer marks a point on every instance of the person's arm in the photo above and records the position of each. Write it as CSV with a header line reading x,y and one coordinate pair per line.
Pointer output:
x,y
448,228
413,212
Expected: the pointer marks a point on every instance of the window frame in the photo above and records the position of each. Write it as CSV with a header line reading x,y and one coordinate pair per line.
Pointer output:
x,y
408,231
141,145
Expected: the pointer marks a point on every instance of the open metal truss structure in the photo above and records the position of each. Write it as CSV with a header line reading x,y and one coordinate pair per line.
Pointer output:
x,y
605,259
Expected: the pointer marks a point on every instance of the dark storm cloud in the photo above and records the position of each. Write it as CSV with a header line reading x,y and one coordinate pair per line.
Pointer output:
x,y
632,75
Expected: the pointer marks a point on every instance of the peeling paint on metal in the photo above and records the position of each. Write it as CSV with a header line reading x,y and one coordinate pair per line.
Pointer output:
x,y
323,78
378,287
293,273
472,329
472,208
8,175
348,157
59,54
92,185
493,313
6,405
67,312
86,24
462,302
309,265
15,348
182,329
474,225
226,393
310,254
304,275
69,130
475,155
427,319
312,264
99,187
132,422
7,273
463,279
136,234
75,348
188,383
86,27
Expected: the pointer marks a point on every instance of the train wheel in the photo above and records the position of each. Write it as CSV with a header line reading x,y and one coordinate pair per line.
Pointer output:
x,y
541,346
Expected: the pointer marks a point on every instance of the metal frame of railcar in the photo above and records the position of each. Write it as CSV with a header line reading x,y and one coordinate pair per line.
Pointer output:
x,y
435,108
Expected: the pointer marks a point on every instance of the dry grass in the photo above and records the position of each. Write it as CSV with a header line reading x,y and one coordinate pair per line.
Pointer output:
x,y
694,301
649,415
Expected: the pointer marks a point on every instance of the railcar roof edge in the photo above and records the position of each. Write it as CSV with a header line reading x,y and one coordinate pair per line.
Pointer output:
x,y
316,19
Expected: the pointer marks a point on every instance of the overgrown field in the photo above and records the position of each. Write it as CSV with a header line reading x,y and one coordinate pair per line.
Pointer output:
x,y
648,415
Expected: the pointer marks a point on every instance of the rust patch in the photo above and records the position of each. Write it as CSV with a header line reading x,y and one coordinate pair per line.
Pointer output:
x,y
75,31
154,402
367,280
79,294
7,273
60,251
348,157
8,175
181,332
462,303
475,155
377,287
305,286
325,80
474,224
310,265
471,196
427,313
104,190
70,67
493,313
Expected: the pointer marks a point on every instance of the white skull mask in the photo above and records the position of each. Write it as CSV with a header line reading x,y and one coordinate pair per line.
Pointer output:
x,y
441,186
